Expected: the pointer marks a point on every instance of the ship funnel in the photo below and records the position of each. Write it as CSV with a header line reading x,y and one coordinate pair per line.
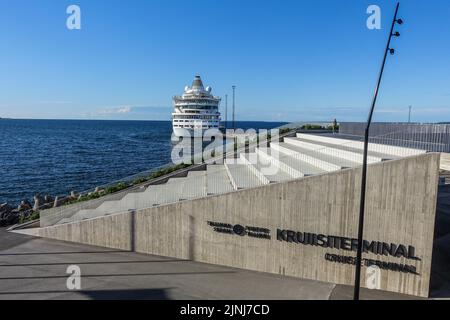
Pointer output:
x,y
197,83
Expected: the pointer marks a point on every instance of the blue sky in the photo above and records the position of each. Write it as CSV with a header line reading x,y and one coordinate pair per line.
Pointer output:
x,y
291,60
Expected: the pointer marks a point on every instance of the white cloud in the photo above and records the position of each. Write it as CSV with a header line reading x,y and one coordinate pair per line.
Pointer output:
x,y
393,111
129,112
114,110
124,110
53,102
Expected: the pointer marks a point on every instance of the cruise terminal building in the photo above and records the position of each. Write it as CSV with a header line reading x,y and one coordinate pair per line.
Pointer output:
x,y
299,220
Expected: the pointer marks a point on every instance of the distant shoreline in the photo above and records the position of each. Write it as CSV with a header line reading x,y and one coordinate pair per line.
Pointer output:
x,y
137,120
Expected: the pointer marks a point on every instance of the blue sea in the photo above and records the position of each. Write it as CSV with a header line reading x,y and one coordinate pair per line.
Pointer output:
x,y
57,156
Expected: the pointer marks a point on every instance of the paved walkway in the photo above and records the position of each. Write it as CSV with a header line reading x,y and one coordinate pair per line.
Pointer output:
x,y
34,268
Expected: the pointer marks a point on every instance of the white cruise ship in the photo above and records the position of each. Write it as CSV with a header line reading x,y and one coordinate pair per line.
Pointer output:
x,y
196,109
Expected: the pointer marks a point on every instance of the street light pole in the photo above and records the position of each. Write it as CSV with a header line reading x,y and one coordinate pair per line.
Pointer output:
x,y
234,107
364,167
226,111
409,115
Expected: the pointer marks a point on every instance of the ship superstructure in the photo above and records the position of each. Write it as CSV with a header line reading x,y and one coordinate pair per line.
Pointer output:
x,y
196,109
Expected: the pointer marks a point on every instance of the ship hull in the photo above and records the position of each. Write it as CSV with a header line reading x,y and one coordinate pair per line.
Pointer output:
x,y
194,133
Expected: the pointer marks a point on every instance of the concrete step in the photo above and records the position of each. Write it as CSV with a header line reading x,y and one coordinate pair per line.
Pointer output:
x,y
143,200
191,187
241,175
382,156
194,186
321,158
192,174
266,153
217,180
80,215
154,195
251,164
170,192
373,147
269,171
64,221
335,151
174,180
121,205
93,204
295,167
323,162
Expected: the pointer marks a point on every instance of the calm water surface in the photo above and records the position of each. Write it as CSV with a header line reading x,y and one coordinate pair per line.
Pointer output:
x,y
58,156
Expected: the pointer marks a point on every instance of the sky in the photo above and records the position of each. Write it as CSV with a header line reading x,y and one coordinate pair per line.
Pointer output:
x,y
291,60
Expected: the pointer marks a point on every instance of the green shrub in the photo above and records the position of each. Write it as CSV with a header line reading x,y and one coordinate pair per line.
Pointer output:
x,y
312,127
333,128
116,188
140,180
32,217
319,127
286,130
164,171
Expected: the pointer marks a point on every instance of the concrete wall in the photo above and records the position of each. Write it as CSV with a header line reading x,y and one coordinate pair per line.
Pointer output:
x,y
401,206
109,232
445,161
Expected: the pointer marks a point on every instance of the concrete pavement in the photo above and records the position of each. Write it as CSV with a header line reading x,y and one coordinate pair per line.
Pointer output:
x,y
34,268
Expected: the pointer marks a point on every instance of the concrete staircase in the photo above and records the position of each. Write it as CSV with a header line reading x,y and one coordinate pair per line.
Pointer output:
x,y
294,158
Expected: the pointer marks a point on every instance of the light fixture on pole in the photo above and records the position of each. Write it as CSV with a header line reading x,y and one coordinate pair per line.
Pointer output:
x,y
366,147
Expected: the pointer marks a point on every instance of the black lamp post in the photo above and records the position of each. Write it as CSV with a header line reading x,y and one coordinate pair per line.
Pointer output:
x,y
234,107
366,147
226,111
